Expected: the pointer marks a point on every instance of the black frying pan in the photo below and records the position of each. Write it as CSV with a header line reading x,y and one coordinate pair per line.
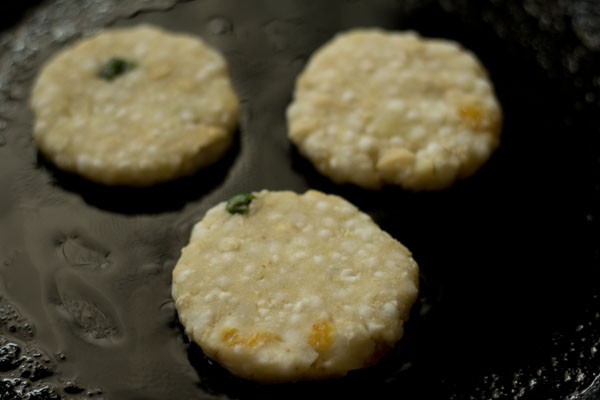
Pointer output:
x,y
509,305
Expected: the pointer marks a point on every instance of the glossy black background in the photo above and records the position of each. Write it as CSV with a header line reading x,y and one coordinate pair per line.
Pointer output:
x,y
509,258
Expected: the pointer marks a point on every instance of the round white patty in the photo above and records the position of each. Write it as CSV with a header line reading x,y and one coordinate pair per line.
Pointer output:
x,y
374,108
170,111
300,287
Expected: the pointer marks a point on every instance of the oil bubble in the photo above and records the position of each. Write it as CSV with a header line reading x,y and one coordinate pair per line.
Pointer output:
x,y
35,364
11,321
71,387
10,355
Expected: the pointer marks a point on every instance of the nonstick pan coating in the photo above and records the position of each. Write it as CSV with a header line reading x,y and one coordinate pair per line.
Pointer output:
x,y
509,305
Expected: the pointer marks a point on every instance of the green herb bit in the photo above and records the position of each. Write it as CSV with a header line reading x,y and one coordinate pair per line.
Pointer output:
x,y
116,67
240,203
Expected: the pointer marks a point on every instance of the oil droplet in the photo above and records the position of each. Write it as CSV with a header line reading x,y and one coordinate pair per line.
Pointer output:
x,y
168,307
71,387
520,393
62,33
590,97
532,383
219,26
567,376
278,33
94,392
151,269
585,25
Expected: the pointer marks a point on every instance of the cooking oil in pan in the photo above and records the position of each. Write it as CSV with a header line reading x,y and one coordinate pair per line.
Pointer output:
x,y
85,306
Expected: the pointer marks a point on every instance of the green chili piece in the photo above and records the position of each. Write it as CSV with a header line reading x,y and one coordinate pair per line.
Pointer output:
x,y
240,203
116,67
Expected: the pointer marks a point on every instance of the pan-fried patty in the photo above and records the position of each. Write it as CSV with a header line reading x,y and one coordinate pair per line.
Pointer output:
x,y
375,107
279,287
134,106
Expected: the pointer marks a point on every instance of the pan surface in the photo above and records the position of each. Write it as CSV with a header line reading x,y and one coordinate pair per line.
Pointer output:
x,y
510,296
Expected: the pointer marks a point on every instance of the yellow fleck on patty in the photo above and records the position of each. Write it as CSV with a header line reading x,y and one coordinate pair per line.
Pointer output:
x,y
321,336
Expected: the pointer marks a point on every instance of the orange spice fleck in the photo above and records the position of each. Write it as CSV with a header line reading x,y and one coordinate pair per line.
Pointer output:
x,y
473,115
260,339
321,335
232,337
